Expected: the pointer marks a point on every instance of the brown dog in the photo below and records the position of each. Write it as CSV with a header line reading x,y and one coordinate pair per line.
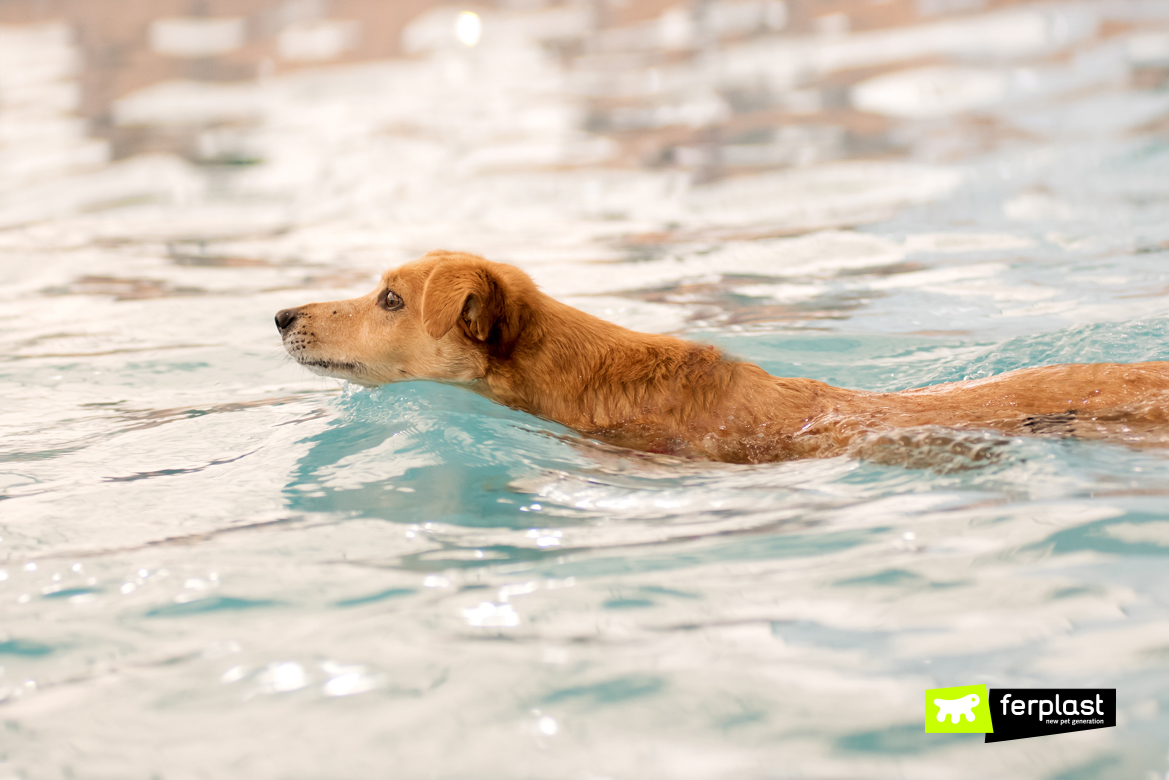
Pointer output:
x,y
460,319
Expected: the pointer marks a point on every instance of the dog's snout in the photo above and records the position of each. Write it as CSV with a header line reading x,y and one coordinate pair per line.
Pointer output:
x,y
286,317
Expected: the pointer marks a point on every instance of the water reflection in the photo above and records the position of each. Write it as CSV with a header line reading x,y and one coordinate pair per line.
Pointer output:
x,y
212,549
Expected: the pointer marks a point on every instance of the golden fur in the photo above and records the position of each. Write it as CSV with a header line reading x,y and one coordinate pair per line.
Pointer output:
x,y
460,319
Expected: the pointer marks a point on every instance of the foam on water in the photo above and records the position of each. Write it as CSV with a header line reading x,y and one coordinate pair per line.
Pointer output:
x,y
215,564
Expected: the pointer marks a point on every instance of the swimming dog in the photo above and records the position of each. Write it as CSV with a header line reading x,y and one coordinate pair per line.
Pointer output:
x,y
460,319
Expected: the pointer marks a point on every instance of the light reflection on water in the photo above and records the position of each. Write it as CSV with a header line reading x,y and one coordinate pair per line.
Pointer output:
x,y
214,564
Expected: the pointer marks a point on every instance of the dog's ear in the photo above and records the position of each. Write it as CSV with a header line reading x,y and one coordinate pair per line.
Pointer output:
x,y
486,300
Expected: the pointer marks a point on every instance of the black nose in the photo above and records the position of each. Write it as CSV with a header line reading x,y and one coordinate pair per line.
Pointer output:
x,y
286,317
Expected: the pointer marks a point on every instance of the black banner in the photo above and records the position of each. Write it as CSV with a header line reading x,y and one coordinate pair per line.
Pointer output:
x,y
1019,713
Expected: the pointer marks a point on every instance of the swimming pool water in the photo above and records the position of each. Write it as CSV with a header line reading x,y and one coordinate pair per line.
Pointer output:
x,y
217,565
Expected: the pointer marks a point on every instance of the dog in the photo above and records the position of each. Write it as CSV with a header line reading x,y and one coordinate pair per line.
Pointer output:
x,y
460,319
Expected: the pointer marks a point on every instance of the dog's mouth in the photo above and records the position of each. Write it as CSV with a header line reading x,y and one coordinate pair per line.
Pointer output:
x,y
331,365
339,369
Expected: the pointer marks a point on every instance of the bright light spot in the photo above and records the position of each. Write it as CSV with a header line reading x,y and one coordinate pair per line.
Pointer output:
x,y
488,615
546,537
348,684
283,677
435,581
468,28
127,587
518,589
234,674
548,726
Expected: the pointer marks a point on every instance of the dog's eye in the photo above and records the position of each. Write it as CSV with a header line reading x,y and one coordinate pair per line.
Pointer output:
x,y
391,301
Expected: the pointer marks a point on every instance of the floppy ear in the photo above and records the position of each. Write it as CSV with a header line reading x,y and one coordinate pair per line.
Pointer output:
x,y
478,296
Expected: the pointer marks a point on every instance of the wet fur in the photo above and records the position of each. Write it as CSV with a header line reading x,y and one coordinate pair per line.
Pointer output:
x,y
485,326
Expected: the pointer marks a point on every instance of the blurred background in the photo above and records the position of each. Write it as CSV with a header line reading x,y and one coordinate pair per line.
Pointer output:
x,y
469,126
214,564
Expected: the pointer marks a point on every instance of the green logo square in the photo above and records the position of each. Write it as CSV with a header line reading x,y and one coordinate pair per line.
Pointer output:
x,y
961,710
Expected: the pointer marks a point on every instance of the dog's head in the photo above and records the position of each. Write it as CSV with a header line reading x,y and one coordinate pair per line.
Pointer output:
x,y
441,318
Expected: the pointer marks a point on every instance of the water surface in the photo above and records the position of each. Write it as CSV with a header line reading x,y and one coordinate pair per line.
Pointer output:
x,y
218,565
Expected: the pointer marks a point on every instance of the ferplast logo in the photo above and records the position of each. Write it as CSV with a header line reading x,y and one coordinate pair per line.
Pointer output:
x,y
961,710
1004,714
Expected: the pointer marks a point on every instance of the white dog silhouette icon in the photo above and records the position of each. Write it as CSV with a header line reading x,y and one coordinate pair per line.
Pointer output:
x,y
956,708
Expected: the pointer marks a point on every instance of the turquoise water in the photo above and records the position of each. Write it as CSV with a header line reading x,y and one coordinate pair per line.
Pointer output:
x,y
414,576
217,565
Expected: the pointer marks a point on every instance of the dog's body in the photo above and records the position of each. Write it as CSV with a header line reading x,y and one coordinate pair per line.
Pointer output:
x,y
458,318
